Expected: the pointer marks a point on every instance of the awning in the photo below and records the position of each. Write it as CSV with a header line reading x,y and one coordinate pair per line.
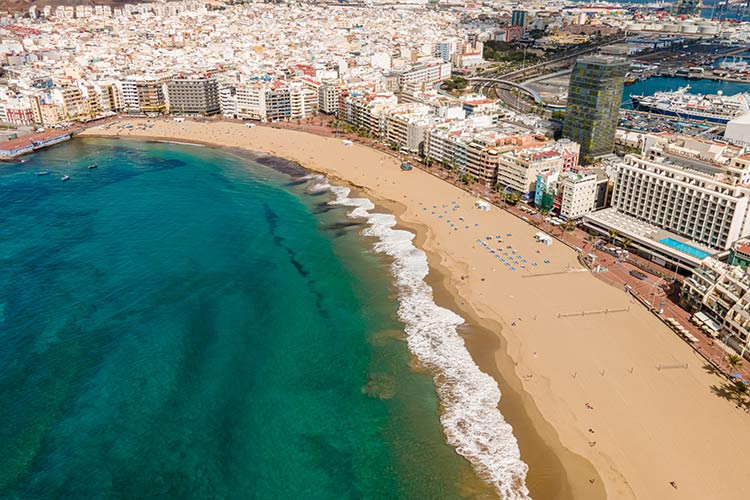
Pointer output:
x,y
703,318
699,318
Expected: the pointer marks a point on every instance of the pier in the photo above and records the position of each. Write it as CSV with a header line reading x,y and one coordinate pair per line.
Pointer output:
x,y
29,143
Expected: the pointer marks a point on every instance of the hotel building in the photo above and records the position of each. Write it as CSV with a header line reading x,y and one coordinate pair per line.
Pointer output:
x,y
691,196
194,95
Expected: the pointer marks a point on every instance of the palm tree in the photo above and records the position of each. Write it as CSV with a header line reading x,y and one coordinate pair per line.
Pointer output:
x,y
740,389
512,198
567,227
544,213
734,361
613,234
626,242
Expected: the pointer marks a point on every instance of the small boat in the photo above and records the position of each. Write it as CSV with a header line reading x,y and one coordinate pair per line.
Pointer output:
x,y
65,178
43,172
91,166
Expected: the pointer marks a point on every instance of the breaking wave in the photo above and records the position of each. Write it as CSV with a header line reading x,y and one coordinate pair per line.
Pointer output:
x,y
470,416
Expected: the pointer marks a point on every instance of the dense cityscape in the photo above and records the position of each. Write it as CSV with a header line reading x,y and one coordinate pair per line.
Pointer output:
x,y
619,131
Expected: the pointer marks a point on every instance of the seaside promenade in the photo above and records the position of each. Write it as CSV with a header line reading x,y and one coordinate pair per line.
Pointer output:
x,y
591,385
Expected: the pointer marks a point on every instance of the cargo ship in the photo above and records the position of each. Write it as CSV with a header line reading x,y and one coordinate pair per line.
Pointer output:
x,y
714,108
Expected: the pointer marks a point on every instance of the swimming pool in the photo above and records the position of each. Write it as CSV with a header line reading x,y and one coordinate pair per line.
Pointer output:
x,y
684,248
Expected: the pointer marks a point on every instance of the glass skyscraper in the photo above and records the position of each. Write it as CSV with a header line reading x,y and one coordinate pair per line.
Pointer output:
x,y
594,97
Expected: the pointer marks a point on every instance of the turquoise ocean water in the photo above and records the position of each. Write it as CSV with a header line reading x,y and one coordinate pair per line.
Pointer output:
x,y
181,322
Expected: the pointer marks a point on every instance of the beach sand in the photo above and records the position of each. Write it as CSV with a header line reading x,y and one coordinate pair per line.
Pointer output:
x,y
561,377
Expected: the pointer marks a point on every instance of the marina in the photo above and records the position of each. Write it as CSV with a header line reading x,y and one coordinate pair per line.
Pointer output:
x,y
682,103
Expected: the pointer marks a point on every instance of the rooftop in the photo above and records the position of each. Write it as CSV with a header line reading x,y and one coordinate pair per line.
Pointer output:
x,y
637,229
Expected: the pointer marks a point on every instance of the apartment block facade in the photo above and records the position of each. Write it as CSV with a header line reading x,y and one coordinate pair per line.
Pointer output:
x,y
518,169
328,98
145,94
722,292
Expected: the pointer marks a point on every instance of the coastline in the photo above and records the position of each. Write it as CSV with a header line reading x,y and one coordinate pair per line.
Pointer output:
x,y
554,471
643,439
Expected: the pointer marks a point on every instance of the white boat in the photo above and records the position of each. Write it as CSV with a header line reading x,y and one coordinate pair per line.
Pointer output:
x,y
716,108
65,178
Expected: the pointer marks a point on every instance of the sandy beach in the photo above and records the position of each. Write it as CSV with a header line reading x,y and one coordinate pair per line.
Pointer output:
x,y
614,398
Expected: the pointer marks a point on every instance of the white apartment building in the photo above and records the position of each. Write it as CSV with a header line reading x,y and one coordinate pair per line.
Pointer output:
x,y
447,146
367,111
145,93
228,102
579,194
518,170
129,92
274,101
303,100
720,292
328,98
250,102
406,127
687,187
424,74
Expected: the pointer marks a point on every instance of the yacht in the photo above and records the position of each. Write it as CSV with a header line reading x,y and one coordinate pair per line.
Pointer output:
x,y
715,108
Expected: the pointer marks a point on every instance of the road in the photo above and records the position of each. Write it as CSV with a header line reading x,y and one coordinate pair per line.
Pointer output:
x,y
531,71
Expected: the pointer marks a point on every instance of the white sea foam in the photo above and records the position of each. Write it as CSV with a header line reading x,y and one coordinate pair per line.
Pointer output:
x,y
471,419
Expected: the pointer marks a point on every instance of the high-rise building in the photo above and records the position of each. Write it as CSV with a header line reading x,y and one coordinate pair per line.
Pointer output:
x,y
594,96
686,7
145,94
519,18
228,101
194,95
